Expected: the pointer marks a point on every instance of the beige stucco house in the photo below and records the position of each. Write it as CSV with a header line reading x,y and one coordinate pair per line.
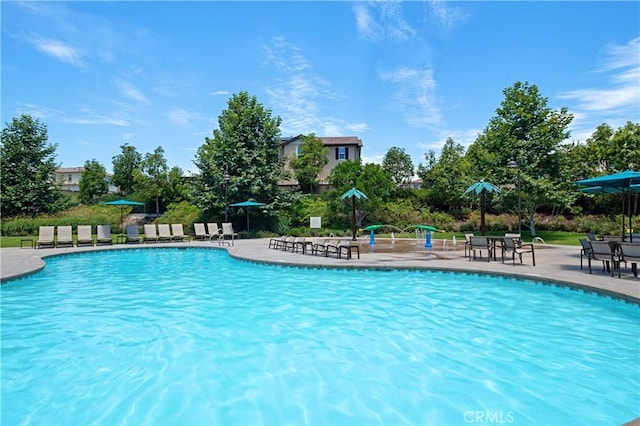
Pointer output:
x,y
341,148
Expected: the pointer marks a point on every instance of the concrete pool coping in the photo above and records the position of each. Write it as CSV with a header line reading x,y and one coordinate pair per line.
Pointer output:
x,y
555,264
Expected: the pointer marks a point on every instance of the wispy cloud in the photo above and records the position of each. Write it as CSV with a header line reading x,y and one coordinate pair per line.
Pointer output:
x,y
130,92
447,15
59,50
618,99
182,117
462,137
358,127
299,96
414,98
382,20
220,93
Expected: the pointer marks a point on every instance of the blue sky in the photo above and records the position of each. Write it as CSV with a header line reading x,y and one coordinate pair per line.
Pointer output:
x,y
405,74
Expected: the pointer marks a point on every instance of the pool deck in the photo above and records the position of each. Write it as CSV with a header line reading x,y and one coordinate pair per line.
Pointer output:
x,y
554,263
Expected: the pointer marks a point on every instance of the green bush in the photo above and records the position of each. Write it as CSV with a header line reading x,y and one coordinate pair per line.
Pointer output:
x,y
82,215
183,212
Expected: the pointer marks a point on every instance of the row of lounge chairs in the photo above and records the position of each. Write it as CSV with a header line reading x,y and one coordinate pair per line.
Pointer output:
x,y
612,253
62,236
213,233
326,247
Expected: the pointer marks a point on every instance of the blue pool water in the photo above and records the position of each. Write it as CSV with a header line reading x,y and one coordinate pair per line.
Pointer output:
x,y
192,336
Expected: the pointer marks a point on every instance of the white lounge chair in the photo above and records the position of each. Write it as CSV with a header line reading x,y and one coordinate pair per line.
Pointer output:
x,y
103,234
200,231
45,236
65,236
177,232
164,233
133,234
227,231
150,232
84,236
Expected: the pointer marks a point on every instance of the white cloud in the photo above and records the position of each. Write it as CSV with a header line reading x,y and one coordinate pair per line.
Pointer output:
x,y
358,127
414,96
182,117
59,50
129,91
220,93
382,20
617,101
448,16
98,119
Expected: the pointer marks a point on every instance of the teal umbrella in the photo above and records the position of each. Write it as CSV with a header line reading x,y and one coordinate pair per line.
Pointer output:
x,y
626,182
123,203
481,188
247,204
353,193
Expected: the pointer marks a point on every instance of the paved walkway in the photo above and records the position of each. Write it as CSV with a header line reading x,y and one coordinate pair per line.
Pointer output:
x,y
554,264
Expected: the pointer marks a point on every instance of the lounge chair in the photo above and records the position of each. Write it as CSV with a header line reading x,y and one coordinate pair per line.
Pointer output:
x,y
274,243
516,237
150,232
603,251
103,235
630,253
227,231
133,234
585,251
45,236
591,236
65,236
510,245
84,236
164,233
200,231
478,244
214,231
177,232
467,244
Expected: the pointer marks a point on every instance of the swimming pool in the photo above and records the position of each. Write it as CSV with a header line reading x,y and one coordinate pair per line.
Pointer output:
x,y
192,336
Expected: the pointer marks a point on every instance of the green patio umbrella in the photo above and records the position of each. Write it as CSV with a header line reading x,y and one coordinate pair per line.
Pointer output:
x,y
122,203
247,204
627,182
353,193
481,188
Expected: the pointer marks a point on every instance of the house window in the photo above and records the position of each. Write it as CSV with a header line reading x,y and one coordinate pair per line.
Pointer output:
x,y
298,152
69,178
342,153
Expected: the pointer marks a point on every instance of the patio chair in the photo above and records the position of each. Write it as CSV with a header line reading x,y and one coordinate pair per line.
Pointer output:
x,y
630,253
274,243
516,237
164,233
510,245
84,236
177,232
214,231
616,238
133,234
150,232
591,236
65,236
467,244
227,231
478,244
605,252
45,236
200,231
585,251
103,234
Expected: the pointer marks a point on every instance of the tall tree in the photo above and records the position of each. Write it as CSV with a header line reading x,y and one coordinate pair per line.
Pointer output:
x,y
311,159
399,165
27,160
124,165
93,181
152,178
526,130
246,145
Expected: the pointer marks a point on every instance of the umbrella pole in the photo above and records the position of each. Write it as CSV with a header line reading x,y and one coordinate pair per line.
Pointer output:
x,y
482,227
353,218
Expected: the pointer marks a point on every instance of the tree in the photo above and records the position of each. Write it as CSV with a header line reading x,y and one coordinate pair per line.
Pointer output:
x,y
526,130
124,165
311,159
246,146
152,178
399,165
93,181
27,160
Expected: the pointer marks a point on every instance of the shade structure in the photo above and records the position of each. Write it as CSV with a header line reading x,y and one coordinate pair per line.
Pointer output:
x,y
247,204
353,193
627,182
482,188
122,203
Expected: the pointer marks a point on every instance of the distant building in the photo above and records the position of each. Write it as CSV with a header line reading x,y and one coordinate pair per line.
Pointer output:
x,y
415,184
340,149
69,178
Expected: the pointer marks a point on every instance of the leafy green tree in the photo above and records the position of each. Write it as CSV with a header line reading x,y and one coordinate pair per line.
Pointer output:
x,y
151,180
526,130
28,185
124,165
310,161
246,146
371,179
445,176
93,181
178,188
399,165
